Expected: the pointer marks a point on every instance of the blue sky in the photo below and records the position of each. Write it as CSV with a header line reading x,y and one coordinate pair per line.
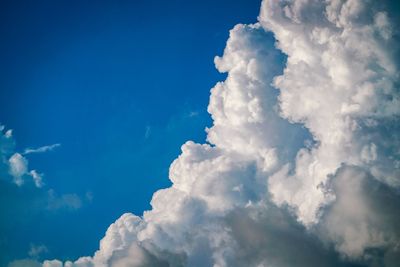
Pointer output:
x,y
121,85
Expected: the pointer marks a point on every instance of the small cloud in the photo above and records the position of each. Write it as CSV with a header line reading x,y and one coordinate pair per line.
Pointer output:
x,y
147,132
18,166
89,196
37,178
41,149
65,201
193,114
8,133
36,250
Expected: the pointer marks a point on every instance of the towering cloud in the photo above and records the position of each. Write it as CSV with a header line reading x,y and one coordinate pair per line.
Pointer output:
x,y
302,164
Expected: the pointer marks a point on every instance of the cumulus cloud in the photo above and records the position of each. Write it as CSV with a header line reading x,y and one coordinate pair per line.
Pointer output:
x,y
302,162
342,69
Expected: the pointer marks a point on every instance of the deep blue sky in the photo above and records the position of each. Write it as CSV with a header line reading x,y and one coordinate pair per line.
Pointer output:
x,y
121,85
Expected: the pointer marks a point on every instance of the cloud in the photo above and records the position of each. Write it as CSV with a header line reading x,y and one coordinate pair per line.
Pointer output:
x,y
36,250
22,199
147,132
64,201
18,167
302,163
193,114
41,149
16,164
364,218
37,178
341,68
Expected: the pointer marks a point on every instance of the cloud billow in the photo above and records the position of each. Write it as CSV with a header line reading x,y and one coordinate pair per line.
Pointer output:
x,y
302,164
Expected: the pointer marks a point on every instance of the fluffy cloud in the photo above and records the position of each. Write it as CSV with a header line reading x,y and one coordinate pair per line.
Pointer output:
x,y
364,218
18,168
37,178
302,166
341,67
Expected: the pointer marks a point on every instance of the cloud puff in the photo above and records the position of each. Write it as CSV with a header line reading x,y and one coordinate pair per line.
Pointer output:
x,y
302,164
37,178
18,167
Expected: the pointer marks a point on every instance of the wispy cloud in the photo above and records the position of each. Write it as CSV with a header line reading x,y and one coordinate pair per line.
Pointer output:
x,y
192,114
41,149
36,250
64,201
147,132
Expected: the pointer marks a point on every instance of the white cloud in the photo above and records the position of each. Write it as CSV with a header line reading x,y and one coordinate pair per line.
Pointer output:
x,y
343,72
292,169
16,164
37,178
18,168
41,149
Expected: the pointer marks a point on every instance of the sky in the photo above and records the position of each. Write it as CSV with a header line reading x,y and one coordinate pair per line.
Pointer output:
x,y
120,85
201,133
